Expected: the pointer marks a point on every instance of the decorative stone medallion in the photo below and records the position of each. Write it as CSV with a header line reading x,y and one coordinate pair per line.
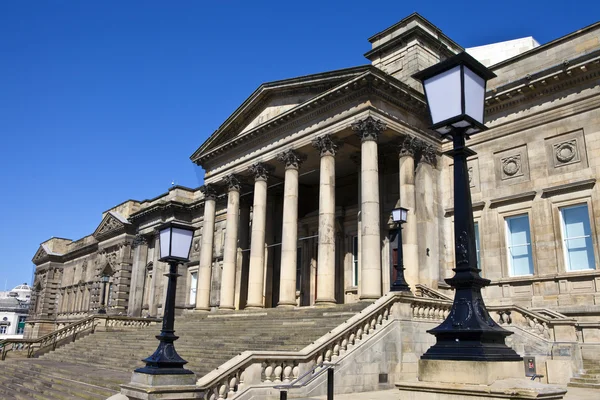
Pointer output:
x,y
511,166
566,152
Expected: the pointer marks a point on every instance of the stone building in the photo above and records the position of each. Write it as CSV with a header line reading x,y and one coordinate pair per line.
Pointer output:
x,y
301,179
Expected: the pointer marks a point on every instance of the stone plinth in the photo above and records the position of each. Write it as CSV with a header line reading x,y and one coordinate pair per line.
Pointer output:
x,y
469,372
502,389
151,387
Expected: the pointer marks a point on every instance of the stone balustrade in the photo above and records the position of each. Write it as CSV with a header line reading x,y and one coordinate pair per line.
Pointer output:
x,y
281,367
69,333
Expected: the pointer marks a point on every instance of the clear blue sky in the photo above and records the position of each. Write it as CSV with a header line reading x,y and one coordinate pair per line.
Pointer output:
x,y
102,101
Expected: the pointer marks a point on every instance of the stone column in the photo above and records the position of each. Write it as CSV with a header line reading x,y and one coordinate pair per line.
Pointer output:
x,y
369,130
410,248
206,249
257,241
326,250
231,244
428,260
136,291
289,229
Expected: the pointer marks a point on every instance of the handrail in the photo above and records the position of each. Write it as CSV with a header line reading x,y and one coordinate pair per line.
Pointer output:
x,y
70,331
427,292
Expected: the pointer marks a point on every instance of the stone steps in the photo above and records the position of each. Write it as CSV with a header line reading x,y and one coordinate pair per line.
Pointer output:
x,y
589,378
94,366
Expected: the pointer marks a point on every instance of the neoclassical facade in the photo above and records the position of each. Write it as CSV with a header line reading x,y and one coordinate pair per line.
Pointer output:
x,y
301,179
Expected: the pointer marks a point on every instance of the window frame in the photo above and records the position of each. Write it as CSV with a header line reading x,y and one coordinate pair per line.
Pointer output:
x,y
507,246
355,257
563,238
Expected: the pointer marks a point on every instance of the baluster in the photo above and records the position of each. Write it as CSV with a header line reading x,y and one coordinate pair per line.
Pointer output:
x,y
278,370
328,355
380,319
287,372
336,350
222,391
344,345
232,384
268,372
296,371
352,338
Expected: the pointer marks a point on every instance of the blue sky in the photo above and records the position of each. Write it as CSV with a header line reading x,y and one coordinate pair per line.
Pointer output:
x,y
103,101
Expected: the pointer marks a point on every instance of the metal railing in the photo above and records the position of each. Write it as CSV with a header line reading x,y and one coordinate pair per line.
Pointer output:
x,y
70,333
299,382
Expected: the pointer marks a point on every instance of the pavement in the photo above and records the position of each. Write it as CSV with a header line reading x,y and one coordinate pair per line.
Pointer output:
x,y
394,394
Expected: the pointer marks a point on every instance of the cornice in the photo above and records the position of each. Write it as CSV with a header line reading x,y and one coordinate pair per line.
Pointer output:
x,y
569,187
372,82
515,198
543,83
165,206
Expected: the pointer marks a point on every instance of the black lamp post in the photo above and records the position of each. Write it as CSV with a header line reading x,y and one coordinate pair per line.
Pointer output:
x,y
102,309
399,285
455,91
175,245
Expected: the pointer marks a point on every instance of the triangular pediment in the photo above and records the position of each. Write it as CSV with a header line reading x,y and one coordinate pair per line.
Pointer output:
x,y
112,223
372,82
273,99
40,255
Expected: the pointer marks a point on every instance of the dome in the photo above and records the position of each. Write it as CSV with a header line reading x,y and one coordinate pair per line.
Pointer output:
x,y
22,287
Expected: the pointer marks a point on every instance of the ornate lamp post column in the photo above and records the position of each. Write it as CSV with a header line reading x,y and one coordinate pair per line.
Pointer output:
x,y
455,91
399,285
175,245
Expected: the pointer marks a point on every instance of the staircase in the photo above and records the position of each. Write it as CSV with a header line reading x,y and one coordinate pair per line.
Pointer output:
x,y
590,378
93,367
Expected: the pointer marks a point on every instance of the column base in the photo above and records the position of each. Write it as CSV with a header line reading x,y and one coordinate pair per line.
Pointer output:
x,y
254,307
369,297
326,302
202,309
226,308
286,304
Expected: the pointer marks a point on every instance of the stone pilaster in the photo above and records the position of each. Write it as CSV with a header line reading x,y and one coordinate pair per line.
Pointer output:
x,y
256,273
369,130
289,229
407,151
136,291
427,232
206,249
326,248
230,246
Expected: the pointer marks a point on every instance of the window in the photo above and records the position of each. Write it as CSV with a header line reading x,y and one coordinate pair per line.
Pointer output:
x,y
518,245
577,238
3,329
355,261
193,283
477,244
21,325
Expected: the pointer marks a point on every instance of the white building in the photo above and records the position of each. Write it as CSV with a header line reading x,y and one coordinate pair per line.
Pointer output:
x,y
14,306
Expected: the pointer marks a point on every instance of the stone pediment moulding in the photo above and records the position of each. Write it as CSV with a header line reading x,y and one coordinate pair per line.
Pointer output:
x,y
373,82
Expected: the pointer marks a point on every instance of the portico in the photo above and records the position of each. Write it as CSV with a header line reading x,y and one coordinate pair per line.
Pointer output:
x,y
316,193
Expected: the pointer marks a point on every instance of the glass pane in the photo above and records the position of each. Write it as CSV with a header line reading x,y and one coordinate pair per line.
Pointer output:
x,y
182,242
165,239
522,263
355,261
443,95
193,284
518,230
576,221
474,95
580,254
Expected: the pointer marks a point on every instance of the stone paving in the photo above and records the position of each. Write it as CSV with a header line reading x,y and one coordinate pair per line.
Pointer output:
x,y
393,394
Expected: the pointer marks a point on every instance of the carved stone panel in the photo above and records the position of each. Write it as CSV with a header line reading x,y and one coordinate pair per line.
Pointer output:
x,y
566,152
512,165
473,170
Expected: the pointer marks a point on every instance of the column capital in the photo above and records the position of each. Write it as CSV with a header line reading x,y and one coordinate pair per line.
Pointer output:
x,y
368,128
233,183
260,171
291,158
326,145
138,240
409,146
209,191
429,155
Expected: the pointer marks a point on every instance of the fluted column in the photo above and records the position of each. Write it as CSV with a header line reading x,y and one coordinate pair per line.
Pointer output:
x,y
257,239
326,248
230,245
206,249
424,177
369,130
289,229
410,248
